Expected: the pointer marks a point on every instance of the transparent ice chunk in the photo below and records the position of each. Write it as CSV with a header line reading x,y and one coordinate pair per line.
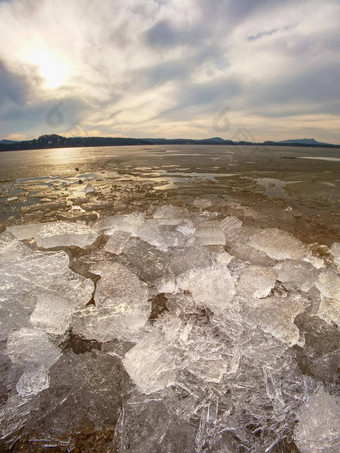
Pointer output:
x,y
318,429
53,313
89,188
256,281
146,260
298,273
32,346
117,242
27,231
231,227
149,365
155,428
122,305
153,233
277,244
128,223
248,254
181,259
208,235
328,284
63,234
212,287
276,316
335,252
11,248
26,277
33,381
168,212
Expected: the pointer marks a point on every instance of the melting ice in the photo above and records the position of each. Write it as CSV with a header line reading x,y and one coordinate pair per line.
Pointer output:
x,y
196,333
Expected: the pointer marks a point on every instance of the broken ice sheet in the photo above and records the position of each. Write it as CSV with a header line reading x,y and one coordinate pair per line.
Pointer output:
x,y
122,305
276,316
212,287
33,352
149,365
155,428
85,393
318,428
256,281
278,244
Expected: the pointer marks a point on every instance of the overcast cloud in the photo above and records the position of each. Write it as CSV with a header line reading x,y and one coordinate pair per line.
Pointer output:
x,y
167,68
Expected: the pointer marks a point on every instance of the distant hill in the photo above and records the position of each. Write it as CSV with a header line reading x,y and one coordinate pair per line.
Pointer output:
x,y
300,141
7,142
58,141
304,141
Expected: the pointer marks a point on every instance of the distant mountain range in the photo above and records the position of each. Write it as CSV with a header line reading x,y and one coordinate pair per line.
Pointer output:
x,y
58,141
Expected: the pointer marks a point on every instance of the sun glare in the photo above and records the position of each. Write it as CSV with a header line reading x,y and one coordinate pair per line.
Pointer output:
x,y
51,69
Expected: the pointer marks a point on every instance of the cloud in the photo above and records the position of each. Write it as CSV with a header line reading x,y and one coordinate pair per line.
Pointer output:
x,y
168,67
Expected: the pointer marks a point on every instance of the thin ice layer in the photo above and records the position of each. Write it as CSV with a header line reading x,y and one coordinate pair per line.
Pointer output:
x,y
149,365
277,244
212,287
318,428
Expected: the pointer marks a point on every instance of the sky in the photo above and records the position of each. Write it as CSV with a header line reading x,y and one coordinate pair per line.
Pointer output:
x,y
238,69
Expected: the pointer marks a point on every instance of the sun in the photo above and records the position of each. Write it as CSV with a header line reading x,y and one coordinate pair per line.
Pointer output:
x,y
52,70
